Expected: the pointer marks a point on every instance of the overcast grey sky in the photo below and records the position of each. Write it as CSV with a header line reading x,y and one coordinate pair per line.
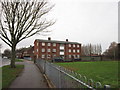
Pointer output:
x,y
83,21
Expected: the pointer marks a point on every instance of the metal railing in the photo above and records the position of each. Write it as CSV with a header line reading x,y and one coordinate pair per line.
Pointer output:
x,y
64,78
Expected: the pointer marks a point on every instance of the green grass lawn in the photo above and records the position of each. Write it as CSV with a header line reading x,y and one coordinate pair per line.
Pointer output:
x,y
105,72
18,60
9,74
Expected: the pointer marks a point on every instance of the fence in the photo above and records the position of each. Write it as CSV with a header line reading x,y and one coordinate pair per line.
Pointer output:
x,y
64,78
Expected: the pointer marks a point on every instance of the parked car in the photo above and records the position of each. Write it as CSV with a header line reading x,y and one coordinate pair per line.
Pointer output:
x,y
5,57
57,59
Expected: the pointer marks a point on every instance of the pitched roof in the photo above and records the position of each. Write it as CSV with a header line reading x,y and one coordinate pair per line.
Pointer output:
x,y
56,41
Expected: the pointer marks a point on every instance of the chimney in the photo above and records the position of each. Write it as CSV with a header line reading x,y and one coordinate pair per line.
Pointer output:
x,y
66,40
49,38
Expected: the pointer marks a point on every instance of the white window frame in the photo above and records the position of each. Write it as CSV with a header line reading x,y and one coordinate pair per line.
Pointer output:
x,y
49,44
78,50
70,50
54,44
49,50
73,50
69,45
78,45
37,56
54,55
37,43
78,56
43,56
70,56
43,44
73,45
43,49
74,56
37,50
54,50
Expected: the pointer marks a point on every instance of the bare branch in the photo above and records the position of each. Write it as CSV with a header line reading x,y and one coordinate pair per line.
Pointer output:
x,y
23,20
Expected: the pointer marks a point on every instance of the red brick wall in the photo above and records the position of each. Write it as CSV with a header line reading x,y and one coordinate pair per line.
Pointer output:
x,y
57,47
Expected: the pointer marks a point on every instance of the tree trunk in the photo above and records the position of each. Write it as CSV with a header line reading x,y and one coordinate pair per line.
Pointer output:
x,y
13,57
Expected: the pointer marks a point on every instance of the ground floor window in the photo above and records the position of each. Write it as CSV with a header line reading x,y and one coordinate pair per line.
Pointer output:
x,y
43,56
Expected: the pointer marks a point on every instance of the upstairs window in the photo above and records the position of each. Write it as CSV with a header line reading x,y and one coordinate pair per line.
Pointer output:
x,y
54,50
73,45
74,51
69,45
78,45
54,44
37,43
43,49
69,50
48,50
37,50
78,51
43,44
49,44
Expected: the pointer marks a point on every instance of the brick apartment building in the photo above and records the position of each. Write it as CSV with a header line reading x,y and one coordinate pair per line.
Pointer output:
x,y
48,49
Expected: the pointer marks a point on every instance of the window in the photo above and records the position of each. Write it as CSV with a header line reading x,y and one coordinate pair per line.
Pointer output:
x,y
61,53
37,43
54,44
69,45
69,50
61,47
73,45
43,49
69,56
78,56
74,51
43,56
78,45
78,51
54,50
48,56
48,50
74,56
37,50
37,56
49,44
43,44
54,55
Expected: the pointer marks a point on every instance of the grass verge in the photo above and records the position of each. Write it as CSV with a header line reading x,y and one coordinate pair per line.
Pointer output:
x,y
18,60
9,74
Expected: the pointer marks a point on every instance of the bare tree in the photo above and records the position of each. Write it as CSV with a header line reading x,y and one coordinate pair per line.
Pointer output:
x,y
90,49
21,20
0,49
0,45
112,51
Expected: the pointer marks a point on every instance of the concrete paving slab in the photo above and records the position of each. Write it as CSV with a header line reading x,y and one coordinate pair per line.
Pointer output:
x,y
31,77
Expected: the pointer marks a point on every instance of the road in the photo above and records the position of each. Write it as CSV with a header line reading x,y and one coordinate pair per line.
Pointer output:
x,y
4,61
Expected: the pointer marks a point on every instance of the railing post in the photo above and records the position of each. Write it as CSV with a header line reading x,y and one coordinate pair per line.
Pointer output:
x,y
44,69
59,76
98,85
107,87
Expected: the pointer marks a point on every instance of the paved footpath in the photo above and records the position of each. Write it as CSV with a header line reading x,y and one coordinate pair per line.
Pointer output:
x,y
31,77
